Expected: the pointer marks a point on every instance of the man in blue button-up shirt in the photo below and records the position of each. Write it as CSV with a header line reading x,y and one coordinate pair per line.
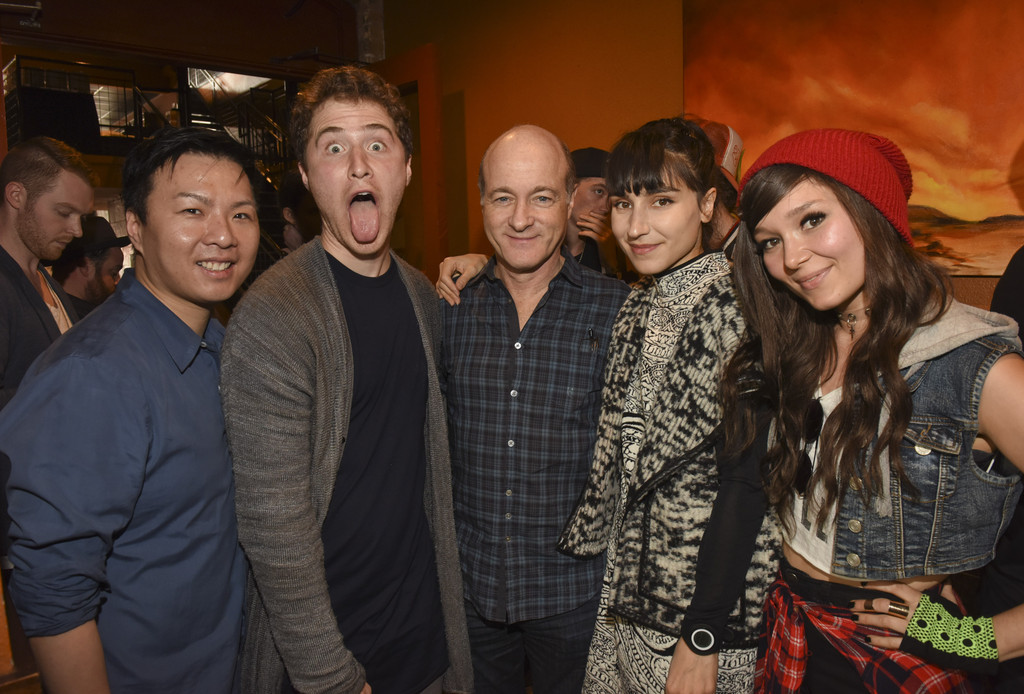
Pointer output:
x,y
523,355
127,572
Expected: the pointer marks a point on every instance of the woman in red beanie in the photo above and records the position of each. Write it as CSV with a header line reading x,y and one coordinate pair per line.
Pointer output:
x,y
896,417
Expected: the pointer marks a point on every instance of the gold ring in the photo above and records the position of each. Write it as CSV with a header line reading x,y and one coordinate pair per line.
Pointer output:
x,y
899,609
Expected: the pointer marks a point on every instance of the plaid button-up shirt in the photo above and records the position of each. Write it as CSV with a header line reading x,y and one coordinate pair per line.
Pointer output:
x,y
522,416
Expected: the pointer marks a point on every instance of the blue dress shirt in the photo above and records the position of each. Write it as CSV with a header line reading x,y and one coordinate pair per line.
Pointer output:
x,y
121,497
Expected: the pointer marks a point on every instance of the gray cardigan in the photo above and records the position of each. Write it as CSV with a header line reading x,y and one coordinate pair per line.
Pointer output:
x,y
286,385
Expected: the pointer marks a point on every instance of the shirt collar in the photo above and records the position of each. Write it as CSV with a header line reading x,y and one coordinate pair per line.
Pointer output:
x,y
570,270
181,343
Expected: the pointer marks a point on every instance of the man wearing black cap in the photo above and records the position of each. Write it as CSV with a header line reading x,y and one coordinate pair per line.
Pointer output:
x,y
588,223
90,265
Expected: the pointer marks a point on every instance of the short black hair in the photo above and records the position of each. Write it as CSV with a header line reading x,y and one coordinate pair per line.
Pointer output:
x,y
659,153
165,148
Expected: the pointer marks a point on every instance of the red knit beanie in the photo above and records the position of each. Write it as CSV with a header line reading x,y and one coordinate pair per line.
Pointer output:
x,y
869,164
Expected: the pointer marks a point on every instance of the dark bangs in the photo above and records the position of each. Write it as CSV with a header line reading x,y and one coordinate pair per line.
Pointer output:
x,y
661,155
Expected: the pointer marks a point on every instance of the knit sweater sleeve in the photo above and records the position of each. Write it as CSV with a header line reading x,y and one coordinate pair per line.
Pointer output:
x,y
271,387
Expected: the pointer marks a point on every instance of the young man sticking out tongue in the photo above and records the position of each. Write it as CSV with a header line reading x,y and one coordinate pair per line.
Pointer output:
x,y
337,428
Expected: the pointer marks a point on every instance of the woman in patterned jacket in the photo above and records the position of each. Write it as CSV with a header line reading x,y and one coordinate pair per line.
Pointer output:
x,y
676,614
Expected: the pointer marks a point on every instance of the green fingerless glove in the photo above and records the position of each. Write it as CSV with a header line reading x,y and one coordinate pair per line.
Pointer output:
x,y
958,643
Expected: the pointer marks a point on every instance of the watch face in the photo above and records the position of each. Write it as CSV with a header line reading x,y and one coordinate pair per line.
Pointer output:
x,y
702,639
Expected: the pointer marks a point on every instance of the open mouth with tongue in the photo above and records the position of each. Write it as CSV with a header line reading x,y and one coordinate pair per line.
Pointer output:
x,y
364,217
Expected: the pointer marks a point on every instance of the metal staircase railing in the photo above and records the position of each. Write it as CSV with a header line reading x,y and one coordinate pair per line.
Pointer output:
x,y
264,137
124,113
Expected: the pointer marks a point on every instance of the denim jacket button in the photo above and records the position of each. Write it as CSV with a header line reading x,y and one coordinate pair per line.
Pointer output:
x,y
853,559
921,450
855,484
855,525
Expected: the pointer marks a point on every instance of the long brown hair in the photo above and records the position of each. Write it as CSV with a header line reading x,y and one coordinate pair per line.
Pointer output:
x,y
791,349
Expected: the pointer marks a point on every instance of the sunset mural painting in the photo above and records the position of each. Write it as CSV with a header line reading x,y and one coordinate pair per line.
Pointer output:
x,y
942,78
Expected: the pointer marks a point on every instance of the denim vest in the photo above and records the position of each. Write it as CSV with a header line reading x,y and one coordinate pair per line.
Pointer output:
x,y
959,510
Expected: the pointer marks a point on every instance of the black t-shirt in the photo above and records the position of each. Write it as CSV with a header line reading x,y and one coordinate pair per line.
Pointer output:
x,y
378,552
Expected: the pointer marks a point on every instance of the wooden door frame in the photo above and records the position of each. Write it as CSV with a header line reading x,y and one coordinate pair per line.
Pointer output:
x,y
417,72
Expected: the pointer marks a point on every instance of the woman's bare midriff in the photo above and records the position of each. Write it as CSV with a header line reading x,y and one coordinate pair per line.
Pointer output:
x,y
795,560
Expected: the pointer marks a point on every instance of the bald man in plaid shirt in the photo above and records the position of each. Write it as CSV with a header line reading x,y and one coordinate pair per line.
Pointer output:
x,y
523,358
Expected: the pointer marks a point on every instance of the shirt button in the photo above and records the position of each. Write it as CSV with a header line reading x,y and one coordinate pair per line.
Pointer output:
x,y
508,538
508,492
518,345
508,516
855,525
514,393
853,559
511,443
202,343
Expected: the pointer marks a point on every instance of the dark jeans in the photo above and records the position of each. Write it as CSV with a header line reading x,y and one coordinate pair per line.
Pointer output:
x,y
556,648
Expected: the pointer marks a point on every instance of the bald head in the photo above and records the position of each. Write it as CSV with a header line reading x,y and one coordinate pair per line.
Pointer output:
x,y
526,189
526,140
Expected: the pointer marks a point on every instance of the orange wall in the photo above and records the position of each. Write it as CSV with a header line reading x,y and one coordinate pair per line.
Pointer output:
x,y
588,71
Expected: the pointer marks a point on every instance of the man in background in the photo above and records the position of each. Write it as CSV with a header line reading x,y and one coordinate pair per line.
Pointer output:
x,y
588,233
90,266
299,211
47,187
728,146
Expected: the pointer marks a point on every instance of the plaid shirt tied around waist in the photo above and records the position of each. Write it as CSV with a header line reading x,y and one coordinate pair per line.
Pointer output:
x,y
783,652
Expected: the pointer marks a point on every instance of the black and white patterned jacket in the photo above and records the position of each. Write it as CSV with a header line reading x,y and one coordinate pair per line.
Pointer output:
x,y
676,482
